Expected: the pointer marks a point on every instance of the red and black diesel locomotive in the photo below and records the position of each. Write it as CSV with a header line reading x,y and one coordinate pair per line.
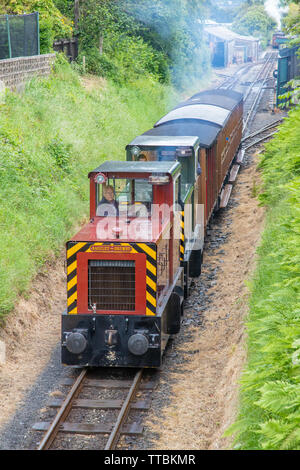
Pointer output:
x,y
129,268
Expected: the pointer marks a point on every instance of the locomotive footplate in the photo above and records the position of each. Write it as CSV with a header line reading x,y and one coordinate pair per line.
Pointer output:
x,y
113,340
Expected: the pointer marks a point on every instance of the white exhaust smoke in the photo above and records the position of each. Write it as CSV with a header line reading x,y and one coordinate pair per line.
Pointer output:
x,y
274,10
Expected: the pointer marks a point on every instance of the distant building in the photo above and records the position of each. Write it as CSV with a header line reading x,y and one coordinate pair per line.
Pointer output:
x,y
228,47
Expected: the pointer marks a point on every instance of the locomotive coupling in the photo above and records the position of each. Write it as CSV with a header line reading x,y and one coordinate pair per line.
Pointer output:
x,y
111,337
76,341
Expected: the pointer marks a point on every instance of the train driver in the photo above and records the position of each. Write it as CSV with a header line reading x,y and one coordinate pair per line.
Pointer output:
x,y
108,206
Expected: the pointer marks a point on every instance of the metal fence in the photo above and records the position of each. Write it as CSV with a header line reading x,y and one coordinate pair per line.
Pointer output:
x,y
68,46
19,35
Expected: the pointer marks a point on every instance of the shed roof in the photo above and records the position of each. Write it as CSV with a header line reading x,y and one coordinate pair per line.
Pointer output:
x,y
226,34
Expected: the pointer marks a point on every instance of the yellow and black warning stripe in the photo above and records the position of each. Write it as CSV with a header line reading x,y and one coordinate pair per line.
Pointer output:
x,y
73,248
151,274
182,236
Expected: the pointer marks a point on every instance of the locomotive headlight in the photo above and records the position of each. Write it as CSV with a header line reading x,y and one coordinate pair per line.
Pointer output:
x,y
138,344
100,178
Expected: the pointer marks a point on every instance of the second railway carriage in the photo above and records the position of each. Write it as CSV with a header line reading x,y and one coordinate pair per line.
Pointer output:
x,y
203,133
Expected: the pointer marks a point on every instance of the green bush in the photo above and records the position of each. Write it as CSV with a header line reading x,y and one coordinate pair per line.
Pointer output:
x,y
52,23
98,64
51,136
61,153
163,40
270,401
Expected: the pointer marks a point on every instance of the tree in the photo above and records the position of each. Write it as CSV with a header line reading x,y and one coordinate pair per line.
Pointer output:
x,y
52,23
164,35
254,21
291,22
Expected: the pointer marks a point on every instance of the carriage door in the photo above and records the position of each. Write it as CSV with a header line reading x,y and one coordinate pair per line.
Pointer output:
x,y
210,179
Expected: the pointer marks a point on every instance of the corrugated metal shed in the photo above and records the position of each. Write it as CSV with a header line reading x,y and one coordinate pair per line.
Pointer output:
x,y
226,34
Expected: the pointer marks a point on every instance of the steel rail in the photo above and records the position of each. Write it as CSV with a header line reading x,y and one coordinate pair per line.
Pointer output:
x,y
262,129
62,413
231,81
258,77
114,436
260,140
265,71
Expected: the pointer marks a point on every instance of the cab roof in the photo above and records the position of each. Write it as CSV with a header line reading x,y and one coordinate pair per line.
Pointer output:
x,y
138,167
157,137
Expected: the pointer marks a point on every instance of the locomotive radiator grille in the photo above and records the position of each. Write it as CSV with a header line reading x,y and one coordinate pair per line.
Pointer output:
x,y
111,284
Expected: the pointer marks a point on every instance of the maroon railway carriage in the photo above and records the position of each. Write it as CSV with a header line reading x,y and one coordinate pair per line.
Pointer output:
x,y
125,282
203,133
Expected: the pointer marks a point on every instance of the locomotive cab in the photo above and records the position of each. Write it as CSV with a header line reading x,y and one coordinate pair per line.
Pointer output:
x,y
124,279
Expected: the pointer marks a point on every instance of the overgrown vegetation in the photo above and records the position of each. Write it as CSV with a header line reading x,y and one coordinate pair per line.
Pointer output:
x,y
125,39
56,131
51,136
52,22
270,398
291,21
291,26
252,19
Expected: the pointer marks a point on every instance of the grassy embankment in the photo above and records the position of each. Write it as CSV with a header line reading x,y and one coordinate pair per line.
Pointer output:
x,y
51,136
270,397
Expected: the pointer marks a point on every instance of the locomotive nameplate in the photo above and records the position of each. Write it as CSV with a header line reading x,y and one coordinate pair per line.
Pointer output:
x,y
106,248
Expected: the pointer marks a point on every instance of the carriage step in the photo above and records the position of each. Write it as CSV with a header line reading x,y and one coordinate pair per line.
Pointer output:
x,y
233,173
240,156
225,195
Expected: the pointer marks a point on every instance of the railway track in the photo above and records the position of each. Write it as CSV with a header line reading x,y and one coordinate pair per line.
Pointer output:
x,y
102,418
254,90
254,93
232,81
260,135
88,409
252,99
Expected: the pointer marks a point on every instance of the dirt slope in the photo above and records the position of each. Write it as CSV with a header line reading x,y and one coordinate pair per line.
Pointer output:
x,y
198,393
